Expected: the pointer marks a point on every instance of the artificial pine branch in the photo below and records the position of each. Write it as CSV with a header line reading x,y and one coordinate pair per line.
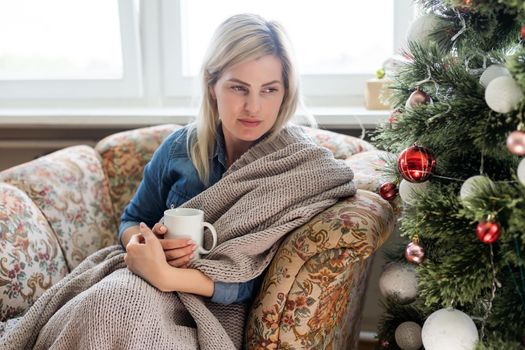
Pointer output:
x,y
485,281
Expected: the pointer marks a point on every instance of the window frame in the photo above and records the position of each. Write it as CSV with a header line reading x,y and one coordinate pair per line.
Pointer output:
x,y
152,66
130,85
327,87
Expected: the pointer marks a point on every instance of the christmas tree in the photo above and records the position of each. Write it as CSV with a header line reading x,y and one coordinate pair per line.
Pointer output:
x,y
458,136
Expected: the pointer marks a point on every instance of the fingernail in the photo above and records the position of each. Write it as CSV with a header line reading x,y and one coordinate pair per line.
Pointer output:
x,y
190,242
194,247
191,256
163,228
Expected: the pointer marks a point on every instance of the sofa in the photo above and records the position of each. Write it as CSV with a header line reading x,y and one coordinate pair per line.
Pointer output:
x,y
58,209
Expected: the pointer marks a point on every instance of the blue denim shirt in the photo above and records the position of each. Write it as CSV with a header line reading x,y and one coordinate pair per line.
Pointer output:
x,y
169,180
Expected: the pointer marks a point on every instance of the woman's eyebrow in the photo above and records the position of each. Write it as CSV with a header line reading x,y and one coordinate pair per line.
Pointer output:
x,y
245,83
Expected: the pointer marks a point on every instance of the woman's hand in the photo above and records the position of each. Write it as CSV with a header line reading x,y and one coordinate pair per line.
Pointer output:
x,y
178,251
145,257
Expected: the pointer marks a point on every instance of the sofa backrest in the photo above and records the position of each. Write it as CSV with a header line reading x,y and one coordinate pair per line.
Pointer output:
x,y
125,154
71,190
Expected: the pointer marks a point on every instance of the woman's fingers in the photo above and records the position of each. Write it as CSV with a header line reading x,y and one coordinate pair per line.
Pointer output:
x,y
180,252
159,229
181,262
175,243
135,240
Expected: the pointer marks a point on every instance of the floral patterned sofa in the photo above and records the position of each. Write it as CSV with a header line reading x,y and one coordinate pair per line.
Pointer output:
x,y
58,209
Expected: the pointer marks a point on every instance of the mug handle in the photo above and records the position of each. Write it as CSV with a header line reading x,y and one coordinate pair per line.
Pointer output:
x,y
213,233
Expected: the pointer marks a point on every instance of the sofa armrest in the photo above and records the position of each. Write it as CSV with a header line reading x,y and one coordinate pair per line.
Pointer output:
x,y
342,146
31,259
319,264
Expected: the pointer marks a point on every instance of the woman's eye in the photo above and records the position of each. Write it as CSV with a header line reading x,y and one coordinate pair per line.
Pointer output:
x,y
239,88
270,90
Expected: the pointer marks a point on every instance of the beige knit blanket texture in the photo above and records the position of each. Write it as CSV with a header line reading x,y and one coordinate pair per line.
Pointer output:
x,y
275,187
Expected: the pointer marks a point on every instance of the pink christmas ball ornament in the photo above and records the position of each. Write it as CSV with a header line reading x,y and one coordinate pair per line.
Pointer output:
x,y
516,143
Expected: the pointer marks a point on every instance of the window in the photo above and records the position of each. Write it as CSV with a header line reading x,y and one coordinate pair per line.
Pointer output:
x,y
339,44
68,48
146,53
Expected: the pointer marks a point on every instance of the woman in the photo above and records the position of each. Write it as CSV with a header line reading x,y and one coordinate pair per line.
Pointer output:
x,y
255,177
249,91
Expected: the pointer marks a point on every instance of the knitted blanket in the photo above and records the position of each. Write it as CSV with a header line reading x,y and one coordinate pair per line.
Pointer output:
x,y
275,187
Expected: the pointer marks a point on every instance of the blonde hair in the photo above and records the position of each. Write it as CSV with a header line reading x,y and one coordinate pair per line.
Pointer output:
x,y
239,39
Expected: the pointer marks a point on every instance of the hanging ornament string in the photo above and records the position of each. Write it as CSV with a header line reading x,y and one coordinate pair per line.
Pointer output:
x,y
495,285
517,246
482,160
363,130
463,26
448,178
429,79
522,297
463,180
426,80
439,115
476,70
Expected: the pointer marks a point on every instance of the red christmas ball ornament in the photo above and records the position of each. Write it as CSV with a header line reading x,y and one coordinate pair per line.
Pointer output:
x,y
488,231
414,253
416,98
392,118
388,191
416,164
523,37
516,143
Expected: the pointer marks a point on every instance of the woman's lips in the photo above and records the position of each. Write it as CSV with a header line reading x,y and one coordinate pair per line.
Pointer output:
x,y
250,123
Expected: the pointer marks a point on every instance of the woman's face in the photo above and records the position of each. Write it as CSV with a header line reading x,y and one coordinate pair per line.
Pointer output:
x,y
249,96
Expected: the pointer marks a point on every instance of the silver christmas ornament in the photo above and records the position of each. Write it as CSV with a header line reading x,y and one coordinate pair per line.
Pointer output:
x,y
421,28
492,72
521,171
399,281
503,94
408,336
408,191
472,185
448,329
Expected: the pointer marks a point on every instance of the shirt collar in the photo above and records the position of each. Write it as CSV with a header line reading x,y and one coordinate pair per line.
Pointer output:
x,y
220,148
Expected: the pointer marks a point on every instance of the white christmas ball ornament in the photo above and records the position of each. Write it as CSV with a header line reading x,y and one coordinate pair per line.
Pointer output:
x,y
399,281
492,72
472,185
408,191
421,28
408,336
449,329
503,94
521,171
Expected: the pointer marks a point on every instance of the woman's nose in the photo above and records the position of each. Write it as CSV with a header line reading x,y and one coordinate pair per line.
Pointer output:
x,y
253,104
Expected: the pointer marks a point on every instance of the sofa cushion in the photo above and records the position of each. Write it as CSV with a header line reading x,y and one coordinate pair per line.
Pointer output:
x,y
31,260
368,168
342,146
71,190
124,156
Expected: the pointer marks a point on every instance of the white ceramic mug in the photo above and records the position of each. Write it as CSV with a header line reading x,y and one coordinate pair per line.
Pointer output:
x,y
188,223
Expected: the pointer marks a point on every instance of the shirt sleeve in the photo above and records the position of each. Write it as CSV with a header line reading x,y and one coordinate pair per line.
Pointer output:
x,y
148,203
229,293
